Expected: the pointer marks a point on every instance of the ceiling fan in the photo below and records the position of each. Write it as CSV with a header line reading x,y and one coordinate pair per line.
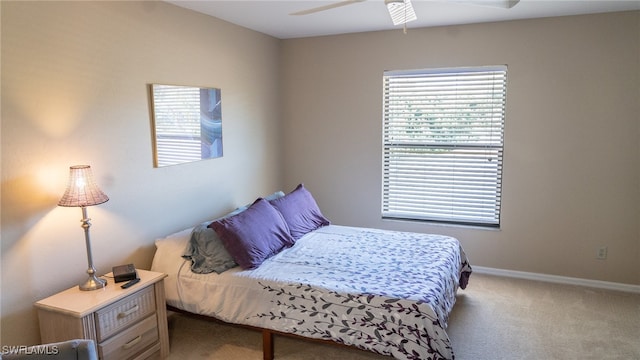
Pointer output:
x,y
401,11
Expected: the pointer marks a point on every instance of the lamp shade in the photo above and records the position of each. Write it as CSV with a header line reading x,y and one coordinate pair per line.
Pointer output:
x,y
82,189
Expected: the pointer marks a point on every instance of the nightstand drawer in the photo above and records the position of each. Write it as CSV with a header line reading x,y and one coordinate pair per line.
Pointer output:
x,y
130,341
125,312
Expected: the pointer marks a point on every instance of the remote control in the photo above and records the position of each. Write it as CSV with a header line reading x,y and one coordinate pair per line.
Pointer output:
x,y
130,283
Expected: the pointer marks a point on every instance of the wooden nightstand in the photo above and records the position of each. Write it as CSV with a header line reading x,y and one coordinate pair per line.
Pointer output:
x,y
124,323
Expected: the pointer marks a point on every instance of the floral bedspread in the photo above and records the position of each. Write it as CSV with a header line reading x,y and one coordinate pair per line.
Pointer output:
x,y
384,291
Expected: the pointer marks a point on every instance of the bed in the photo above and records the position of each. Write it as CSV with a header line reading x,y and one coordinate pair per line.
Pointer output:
x,y
383,291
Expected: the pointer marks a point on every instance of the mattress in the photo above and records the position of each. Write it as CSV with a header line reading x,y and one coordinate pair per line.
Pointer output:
x,y
383,291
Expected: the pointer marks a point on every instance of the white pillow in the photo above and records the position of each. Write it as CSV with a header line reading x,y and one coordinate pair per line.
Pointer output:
x,y
169,251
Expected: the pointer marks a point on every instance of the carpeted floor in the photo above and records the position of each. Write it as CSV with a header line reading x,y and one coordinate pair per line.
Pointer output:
x,y
494,318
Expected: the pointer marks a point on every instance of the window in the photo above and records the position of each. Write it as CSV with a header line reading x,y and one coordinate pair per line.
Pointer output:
x,y
443,143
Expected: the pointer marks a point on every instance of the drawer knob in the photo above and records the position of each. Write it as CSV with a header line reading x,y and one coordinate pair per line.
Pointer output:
x,y
132,343
124,314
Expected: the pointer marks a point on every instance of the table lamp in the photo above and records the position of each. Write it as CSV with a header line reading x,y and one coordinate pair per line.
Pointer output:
x,y
81,192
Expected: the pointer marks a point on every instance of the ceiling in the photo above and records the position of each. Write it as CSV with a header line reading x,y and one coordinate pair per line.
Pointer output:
x,y
272,17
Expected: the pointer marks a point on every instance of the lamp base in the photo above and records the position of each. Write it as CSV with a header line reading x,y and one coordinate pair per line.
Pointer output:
x,y
93,283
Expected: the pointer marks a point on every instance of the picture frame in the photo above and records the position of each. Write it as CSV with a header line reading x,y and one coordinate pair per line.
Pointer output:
x,y
186,123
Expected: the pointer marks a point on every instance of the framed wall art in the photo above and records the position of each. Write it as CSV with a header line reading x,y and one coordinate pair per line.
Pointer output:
x,y
186,123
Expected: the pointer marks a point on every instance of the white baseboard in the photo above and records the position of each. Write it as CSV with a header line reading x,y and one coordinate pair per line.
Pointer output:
x,y
558,279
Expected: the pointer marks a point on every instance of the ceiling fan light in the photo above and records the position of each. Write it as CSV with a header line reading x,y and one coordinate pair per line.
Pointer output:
x,y
401,11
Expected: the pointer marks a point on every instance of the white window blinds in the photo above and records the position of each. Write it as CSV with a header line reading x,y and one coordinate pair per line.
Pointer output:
x,y
443,144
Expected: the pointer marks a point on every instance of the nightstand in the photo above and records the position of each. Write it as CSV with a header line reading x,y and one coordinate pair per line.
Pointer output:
x,y
124,323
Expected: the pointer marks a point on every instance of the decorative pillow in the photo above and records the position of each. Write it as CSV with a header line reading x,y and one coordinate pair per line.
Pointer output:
x,y
254,235
300,211
206,252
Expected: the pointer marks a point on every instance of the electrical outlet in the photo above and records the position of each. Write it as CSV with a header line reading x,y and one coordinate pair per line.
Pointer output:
x,y
602,253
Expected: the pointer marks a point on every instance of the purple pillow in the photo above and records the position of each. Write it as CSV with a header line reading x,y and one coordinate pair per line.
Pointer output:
x,y
300,211
253,235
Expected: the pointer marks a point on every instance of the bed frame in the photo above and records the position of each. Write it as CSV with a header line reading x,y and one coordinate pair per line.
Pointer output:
x,y
267,334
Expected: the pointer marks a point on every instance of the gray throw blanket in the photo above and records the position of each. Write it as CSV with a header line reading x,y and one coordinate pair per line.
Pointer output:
x,y
206,252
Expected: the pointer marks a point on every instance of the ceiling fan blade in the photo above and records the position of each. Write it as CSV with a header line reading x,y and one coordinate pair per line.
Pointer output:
x,y
326,7
506,4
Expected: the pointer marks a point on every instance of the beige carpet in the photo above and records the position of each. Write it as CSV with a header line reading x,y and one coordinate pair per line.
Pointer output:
x,y
495,318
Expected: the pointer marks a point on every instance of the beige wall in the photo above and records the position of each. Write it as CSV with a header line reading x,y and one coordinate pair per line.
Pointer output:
x,y
572,158
0,178
74,91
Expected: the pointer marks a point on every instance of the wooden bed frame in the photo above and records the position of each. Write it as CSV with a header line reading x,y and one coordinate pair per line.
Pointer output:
x,y
267,334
